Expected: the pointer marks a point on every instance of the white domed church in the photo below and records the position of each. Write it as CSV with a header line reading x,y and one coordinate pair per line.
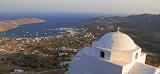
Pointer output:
x,y
113,53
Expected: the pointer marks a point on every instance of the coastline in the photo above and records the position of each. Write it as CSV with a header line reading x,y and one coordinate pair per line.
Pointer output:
x,y
11,24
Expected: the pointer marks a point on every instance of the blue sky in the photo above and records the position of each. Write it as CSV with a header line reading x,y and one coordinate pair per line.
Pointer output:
x,y
99,6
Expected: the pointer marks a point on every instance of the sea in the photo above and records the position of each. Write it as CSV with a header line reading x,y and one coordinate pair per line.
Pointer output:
x,y
48,28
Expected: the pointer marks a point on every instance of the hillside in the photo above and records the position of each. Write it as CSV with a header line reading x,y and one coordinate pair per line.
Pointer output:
x,y
10,24
144,29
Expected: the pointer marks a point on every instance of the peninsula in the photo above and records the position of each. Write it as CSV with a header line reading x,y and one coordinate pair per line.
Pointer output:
x,y
10,24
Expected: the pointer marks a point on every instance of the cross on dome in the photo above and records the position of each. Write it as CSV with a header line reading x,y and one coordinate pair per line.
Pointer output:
x,y
118,29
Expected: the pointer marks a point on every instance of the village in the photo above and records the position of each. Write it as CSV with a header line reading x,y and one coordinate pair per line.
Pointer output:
x,y
40,54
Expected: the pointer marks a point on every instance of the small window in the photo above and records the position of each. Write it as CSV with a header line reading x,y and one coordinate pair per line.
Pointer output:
x,y
136,57
102,54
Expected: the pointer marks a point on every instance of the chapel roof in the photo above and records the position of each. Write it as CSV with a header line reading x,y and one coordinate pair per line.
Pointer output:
x,y
116,41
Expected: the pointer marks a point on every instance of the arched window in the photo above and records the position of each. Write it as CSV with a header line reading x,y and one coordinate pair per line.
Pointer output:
x,y
136,57
102,54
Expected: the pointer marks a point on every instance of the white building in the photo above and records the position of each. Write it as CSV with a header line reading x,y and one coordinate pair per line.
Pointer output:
x,y
114,53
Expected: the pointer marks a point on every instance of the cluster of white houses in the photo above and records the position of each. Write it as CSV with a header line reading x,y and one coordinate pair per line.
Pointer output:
x,y
113,53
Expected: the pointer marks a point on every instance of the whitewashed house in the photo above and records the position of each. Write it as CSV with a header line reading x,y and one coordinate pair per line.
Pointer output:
x,y
114,53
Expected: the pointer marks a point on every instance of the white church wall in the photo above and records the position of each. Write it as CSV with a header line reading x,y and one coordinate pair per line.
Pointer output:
x,y
136,54
107,54
91,51
74,67
121,56
142,58
158,71
127,68
94,44
98,66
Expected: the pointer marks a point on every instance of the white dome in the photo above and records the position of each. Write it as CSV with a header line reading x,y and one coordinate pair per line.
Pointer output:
x,y
115,41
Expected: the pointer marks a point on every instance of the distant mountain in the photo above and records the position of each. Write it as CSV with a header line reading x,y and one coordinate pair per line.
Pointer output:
x,y
144,29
